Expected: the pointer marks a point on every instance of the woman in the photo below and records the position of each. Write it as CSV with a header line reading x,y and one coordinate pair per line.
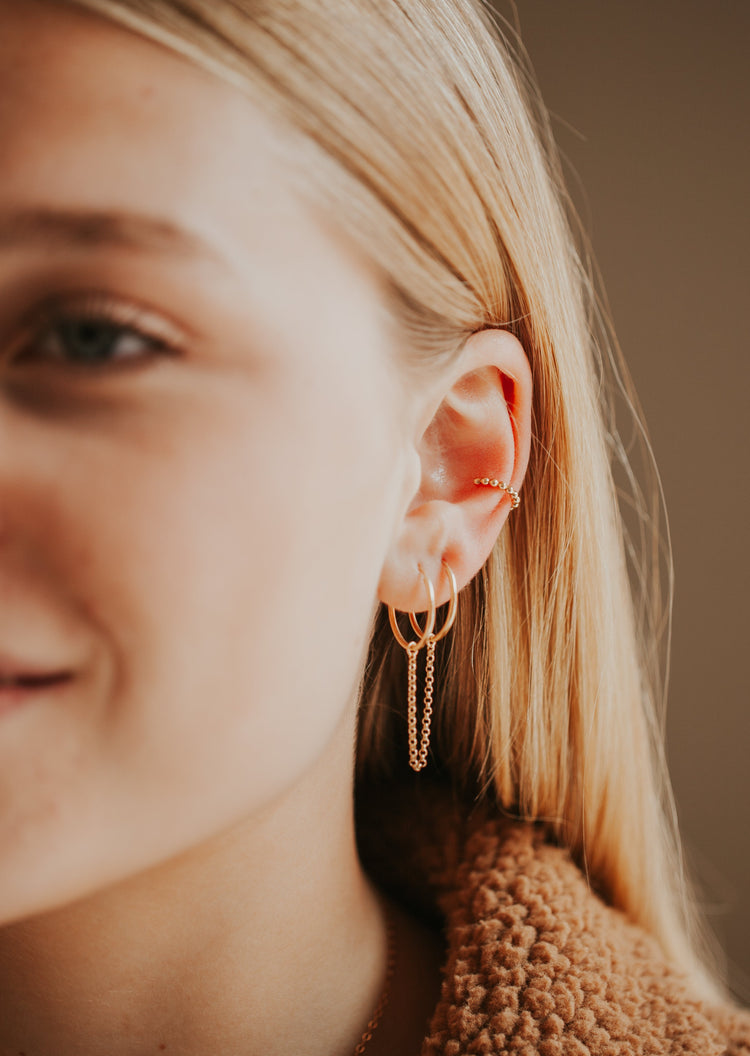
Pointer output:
x,y
295,341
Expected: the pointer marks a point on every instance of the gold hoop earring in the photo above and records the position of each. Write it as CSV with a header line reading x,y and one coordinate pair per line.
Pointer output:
x,y
452,607
430,616
419,745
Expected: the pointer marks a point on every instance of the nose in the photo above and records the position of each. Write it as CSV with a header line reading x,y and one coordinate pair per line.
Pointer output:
x,y
32,530
27,470
13,438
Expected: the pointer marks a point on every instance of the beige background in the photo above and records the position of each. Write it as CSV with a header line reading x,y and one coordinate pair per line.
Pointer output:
x,y
650,104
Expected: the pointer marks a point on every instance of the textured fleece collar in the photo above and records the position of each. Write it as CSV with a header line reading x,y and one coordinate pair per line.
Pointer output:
x,y
536,963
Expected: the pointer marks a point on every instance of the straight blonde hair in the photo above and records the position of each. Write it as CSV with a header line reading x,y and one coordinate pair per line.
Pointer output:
x,y
421,132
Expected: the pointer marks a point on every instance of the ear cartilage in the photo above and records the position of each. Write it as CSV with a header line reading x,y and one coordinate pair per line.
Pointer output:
x,y
490,482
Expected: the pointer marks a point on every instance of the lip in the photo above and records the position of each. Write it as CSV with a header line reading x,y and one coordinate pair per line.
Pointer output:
x,y
16,694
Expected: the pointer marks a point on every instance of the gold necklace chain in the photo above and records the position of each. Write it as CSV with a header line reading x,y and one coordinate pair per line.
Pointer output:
x,y
377,1015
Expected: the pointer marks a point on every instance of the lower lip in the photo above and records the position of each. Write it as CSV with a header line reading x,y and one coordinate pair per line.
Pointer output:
x,y
16,695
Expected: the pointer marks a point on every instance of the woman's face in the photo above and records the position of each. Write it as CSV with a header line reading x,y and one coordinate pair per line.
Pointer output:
x,y
203,459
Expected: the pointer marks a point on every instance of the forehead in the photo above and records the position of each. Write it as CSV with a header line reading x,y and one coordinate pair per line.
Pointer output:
x,y
96,117
110,139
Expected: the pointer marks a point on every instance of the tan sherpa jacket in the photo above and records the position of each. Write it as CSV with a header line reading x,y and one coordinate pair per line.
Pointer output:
x,y
536,963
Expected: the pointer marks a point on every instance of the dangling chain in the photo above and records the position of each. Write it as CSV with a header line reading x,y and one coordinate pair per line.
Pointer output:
x,y
418,756
418,748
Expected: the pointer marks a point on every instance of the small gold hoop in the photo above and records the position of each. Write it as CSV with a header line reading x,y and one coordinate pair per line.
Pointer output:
x,y
452,607
430,617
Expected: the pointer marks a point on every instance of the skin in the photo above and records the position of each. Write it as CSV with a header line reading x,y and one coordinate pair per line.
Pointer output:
x,y
201,539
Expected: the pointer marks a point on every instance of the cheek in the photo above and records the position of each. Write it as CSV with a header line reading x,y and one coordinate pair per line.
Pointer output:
x,y
226,574
234,581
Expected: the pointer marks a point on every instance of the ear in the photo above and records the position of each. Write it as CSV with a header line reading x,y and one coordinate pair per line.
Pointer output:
x,y
481,428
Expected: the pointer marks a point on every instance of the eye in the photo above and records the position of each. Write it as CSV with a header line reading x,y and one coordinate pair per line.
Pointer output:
x,y
94,333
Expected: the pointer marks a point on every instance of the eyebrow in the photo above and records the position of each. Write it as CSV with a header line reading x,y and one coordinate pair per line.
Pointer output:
x,y
54,228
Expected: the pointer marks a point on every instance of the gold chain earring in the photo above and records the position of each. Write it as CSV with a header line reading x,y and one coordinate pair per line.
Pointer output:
x,y
419,744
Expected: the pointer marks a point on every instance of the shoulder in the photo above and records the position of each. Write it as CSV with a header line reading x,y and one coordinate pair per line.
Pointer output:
x,y
535,961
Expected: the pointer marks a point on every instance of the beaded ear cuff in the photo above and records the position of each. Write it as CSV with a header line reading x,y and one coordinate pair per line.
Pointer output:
x,y
490,482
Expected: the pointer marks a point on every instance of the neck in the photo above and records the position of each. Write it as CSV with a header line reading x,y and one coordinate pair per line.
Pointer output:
x,y
244,945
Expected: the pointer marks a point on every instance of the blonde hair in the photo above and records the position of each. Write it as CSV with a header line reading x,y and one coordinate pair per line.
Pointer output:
x,y
421,125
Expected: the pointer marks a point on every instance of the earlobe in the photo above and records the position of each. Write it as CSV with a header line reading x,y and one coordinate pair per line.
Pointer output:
x,y
480,432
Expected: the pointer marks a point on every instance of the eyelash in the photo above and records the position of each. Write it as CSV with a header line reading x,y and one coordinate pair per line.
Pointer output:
x,y
98,310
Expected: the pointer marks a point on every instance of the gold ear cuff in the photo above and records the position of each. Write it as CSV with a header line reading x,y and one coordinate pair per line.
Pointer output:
x,y
490,482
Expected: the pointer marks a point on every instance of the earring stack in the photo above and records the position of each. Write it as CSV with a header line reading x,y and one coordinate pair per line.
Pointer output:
x,y
419,744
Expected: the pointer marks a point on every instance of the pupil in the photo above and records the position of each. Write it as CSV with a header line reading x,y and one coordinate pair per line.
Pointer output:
x,y
88,341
